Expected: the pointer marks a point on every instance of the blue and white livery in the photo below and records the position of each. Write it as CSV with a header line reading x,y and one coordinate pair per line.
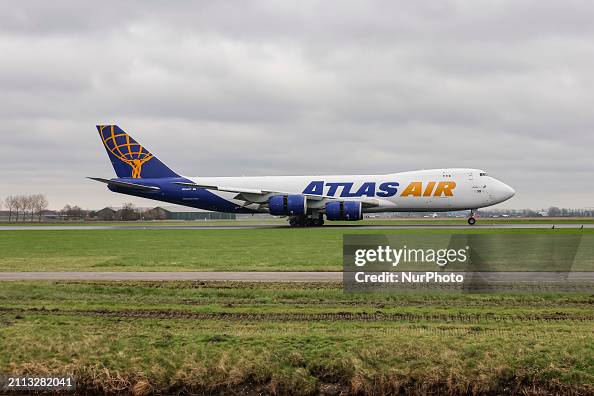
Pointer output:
x,y
305,200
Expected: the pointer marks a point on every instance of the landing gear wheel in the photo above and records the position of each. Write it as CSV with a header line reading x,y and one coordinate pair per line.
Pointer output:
x,y
302,221
471,220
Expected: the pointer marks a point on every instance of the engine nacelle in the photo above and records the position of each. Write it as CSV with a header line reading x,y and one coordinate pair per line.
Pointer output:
x,y
284,205
348,210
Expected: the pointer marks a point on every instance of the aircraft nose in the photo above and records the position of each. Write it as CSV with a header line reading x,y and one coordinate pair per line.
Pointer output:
x,y
504,192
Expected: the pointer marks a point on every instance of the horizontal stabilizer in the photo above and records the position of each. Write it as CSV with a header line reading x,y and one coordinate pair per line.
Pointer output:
x,y
133,186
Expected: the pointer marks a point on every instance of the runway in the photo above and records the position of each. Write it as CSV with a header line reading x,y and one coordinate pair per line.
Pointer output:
x,y
250,227
273,276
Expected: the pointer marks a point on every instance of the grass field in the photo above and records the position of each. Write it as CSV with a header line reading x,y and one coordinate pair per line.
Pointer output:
x,y
197,250
271,338
295,339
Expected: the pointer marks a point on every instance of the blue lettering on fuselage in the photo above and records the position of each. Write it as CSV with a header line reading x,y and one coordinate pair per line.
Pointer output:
x,y
333,188
367,189
315,188
388,189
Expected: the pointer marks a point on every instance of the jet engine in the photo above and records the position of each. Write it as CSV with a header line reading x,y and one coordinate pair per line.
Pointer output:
x,y
348,210
284,205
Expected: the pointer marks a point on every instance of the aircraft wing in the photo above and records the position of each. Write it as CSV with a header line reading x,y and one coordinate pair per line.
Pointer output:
x,y
250,195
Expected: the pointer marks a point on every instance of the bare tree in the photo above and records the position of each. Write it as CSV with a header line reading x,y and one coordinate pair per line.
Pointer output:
x,y
73,212
65,211
129,212
10,205
32,205
40,203
15,207
78,212
23,205
28,206
554,211
19,205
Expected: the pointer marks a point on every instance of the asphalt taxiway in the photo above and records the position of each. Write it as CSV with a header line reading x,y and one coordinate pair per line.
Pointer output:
x,y
272,276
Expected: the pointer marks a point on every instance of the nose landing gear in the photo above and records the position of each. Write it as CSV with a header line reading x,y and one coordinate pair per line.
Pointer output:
x,y
472,219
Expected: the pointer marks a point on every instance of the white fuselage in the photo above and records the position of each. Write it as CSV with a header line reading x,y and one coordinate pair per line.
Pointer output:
x,y
424,190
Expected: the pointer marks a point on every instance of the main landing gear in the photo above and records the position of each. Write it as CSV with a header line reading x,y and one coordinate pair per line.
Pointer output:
x,y
472,219
305,221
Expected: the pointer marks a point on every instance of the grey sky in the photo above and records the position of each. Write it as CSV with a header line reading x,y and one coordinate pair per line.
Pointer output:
x,y
266,87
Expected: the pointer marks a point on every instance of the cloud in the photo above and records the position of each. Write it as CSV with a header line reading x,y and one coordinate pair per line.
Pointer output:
x,y
254,88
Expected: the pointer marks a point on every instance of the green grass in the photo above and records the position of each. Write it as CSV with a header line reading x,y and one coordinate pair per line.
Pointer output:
x,y
295,339
195,250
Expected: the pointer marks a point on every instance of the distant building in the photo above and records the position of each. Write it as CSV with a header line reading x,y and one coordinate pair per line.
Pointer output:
x,y
106,214
161,213
4,215
46,216
184,213
51,215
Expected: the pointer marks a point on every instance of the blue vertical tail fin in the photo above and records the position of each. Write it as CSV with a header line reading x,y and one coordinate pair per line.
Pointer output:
x,y
129,158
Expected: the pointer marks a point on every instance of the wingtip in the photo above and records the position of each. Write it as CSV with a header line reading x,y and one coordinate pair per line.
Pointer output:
x,y
99,179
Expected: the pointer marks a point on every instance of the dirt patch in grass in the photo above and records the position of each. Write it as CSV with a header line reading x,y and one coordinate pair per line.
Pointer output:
x,y
310,317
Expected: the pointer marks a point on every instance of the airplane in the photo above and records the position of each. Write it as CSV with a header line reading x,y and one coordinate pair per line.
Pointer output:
x,y
307,201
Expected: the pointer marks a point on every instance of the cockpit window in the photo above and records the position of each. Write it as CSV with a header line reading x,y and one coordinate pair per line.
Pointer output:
x,y
483,174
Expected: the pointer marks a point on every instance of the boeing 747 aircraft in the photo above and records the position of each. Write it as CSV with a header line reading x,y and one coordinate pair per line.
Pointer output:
x,y
305,200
